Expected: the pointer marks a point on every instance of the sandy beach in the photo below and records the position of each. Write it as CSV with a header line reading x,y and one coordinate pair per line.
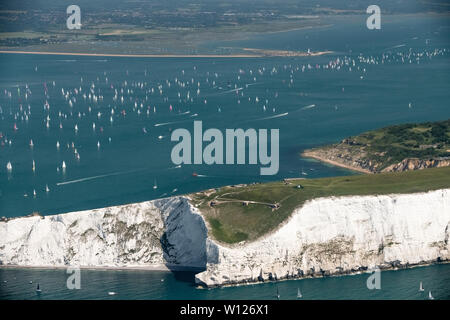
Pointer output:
x,y
256,53
135,55
309,154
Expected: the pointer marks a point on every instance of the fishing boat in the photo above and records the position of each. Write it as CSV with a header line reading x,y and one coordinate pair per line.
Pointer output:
x,y
194,174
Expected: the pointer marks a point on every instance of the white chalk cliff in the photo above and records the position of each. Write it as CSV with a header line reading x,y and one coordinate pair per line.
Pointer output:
x,y
158,233
340,235
324,236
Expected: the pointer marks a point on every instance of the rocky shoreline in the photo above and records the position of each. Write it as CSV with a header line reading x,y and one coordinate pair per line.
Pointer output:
x,y
343,157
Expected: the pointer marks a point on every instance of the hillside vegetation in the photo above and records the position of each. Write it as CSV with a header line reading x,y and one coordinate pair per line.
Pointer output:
x,y
247,212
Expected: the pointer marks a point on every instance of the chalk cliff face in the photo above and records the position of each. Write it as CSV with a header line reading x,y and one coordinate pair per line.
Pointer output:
x,y
325,236
148,234
417,164
338,236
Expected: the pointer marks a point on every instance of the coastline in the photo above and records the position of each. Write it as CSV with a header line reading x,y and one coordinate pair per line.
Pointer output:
x,y
311,154
337,247
161,268
256,53
331,275
132,55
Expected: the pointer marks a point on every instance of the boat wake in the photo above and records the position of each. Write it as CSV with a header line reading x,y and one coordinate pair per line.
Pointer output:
x,y
97,177
308,107
168,123
271,117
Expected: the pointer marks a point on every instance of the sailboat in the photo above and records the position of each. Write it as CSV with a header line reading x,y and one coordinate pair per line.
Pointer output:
x,y
430,296
421,287
38,289
299,294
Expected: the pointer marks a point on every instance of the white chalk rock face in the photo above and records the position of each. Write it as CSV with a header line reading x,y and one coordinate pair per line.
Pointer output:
x,y
337,236
325,236
153,233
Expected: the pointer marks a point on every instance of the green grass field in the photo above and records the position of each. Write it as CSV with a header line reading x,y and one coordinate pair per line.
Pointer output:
x,y
230,221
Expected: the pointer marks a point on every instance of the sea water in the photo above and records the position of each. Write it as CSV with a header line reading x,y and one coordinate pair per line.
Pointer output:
x,y
96,284
401,74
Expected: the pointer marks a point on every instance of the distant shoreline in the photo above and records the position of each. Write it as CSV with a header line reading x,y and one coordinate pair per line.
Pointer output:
x,y
133,55
257,53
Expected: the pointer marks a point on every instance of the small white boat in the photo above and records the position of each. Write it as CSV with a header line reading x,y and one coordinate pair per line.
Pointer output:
x,y
47,189
155,186
34,166
299,294
63,166
9,166
421,287
111,293
430,296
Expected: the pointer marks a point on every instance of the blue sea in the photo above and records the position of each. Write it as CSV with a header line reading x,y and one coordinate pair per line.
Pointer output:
x,y
112,119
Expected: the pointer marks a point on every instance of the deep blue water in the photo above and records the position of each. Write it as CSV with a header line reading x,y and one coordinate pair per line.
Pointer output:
x,y
400,284
401,74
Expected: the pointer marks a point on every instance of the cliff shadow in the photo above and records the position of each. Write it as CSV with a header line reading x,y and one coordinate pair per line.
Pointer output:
x,y
184,239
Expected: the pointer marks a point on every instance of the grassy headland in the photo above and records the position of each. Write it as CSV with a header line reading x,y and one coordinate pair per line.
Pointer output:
x,y
394,148
247,212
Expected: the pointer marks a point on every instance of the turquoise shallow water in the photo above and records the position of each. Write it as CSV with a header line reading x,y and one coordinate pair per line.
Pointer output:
x,y
405,64
400,284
